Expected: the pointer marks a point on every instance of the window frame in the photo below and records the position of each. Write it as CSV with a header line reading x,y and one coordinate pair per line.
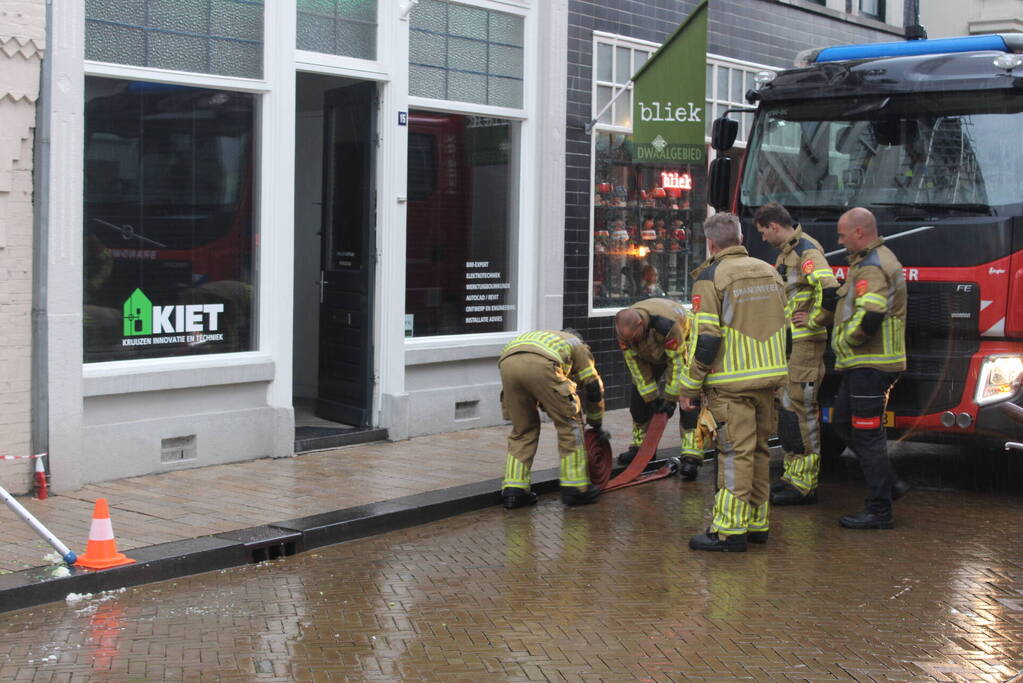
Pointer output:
x,y
713,103
880,15
523,237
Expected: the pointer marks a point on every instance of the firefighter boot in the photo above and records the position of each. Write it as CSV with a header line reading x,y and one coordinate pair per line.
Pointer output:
x,y
517,498
900,488
577,495
724,543
868,520
690,468
625,457
790,495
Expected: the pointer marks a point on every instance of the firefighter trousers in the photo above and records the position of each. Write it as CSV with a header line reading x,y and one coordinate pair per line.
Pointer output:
x,y
642,412
529,381
745,421
799,416
859,422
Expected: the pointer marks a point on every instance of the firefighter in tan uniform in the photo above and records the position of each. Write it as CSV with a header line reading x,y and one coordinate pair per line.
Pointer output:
x,y
811,293
738,364
652,335
544,368
870,351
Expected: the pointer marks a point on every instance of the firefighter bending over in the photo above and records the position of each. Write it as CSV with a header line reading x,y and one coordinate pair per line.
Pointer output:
x,y
652,336
811,293
738,364
543,368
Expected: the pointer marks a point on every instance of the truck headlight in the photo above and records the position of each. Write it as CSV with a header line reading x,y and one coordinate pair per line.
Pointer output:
x,y
1000,378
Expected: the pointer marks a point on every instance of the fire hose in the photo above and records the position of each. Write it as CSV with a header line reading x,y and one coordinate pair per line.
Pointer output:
x,y
598,451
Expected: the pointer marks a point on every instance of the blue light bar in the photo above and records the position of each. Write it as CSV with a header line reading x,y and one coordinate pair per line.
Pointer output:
x,y
913,47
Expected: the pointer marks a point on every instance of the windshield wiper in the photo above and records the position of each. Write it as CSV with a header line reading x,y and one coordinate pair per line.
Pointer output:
x,y
978,209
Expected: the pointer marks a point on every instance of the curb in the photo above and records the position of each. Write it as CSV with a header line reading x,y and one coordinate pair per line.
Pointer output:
x,y
37,586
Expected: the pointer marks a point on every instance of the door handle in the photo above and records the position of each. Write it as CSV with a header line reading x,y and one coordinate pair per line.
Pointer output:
x,y
321,282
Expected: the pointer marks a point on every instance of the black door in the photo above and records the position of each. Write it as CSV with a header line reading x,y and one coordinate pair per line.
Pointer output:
x,y
346,302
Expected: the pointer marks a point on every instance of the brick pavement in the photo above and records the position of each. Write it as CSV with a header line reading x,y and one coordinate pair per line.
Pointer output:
x,y
607,592
196,502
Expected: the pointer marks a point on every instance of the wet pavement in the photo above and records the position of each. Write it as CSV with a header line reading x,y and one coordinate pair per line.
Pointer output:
x,y
608,592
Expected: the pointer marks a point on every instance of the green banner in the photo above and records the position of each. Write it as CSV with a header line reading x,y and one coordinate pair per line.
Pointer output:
x,y
669,97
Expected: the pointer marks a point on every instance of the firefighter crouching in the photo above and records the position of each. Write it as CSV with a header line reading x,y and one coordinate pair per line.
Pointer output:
x,y
870,352
739,363
544,368
810,293
652,336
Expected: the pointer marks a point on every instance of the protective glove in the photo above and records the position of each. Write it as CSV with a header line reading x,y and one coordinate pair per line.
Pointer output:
x,y
665,406
690,418
602,434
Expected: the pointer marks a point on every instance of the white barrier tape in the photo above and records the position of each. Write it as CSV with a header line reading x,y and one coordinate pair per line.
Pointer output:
x,y
22,457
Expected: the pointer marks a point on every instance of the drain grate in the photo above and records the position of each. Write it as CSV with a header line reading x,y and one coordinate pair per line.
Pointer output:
x,y
267,542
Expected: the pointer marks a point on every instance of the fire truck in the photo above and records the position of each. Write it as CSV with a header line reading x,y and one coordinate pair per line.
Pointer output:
x,y
928,135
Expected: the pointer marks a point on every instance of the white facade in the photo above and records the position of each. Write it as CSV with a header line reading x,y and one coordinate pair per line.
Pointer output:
x,y
972,17
116,418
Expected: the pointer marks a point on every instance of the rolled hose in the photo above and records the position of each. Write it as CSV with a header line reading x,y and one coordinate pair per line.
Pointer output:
x,y
598,457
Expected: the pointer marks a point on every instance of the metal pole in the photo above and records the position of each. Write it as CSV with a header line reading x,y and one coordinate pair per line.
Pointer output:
x,y
888,238
36,525
592,122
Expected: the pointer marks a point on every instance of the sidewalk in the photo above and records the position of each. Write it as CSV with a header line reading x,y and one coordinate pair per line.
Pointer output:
x,y
187,504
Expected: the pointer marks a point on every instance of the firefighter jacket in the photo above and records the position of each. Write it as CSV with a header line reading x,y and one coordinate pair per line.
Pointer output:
x,y
664,344
810,286
739,304
870,320
573,358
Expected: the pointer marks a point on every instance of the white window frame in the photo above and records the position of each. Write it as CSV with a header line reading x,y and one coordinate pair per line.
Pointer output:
x,y
263,190
522,193
714,104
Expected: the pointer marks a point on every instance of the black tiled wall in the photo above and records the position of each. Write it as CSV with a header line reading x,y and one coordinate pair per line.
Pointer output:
x,y
761,31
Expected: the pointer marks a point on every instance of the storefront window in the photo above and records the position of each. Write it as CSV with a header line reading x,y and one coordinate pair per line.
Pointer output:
x,y
647,225
460,276
168,220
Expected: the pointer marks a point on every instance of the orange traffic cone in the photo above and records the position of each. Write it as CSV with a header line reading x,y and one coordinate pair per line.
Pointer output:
x,y
101,551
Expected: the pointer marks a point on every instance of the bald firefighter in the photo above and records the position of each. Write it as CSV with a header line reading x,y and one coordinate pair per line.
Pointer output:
x,y
811,293
738,364
870,352
544,368
652,335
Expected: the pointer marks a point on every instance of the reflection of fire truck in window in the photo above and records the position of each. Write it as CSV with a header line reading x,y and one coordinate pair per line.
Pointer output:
x,y
928,135
438,213
168,197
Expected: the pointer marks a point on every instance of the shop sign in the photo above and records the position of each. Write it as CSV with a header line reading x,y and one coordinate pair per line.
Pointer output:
x,y
147,324
669,90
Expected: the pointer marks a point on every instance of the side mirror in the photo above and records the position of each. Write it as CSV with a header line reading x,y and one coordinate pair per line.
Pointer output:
x,y
723,133
720,183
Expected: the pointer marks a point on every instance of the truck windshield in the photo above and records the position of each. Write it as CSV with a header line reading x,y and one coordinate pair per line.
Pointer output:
x,y
935,151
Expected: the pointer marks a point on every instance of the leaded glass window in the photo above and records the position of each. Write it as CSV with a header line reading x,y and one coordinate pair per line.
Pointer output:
x,y
466,54
223,37
338,27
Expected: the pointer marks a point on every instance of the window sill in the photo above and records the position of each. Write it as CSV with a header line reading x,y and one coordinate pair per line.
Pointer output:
x,y
455,348
162,374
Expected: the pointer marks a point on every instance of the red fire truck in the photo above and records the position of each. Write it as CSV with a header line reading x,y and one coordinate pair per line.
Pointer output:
x,y
928,135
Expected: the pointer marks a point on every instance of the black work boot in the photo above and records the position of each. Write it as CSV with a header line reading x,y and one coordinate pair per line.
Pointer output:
x,y
711,540
517,498
900,488
757,536
790,495
625,457
779,485
690,468
573,495
868,520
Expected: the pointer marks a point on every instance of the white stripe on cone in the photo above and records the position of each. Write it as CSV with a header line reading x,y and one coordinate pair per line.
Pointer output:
x,y
101,530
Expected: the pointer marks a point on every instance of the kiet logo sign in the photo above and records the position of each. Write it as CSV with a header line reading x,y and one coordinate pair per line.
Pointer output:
x,y
188,323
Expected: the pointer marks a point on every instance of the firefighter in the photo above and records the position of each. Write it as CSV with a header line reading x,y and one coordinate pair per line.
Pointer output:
x,y
811,293
870,351
544,368
652,336
738,364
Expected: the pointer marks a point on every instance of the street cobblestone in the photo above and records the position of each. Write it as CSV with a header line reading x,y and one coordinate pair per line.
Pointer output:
x,y
607,592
